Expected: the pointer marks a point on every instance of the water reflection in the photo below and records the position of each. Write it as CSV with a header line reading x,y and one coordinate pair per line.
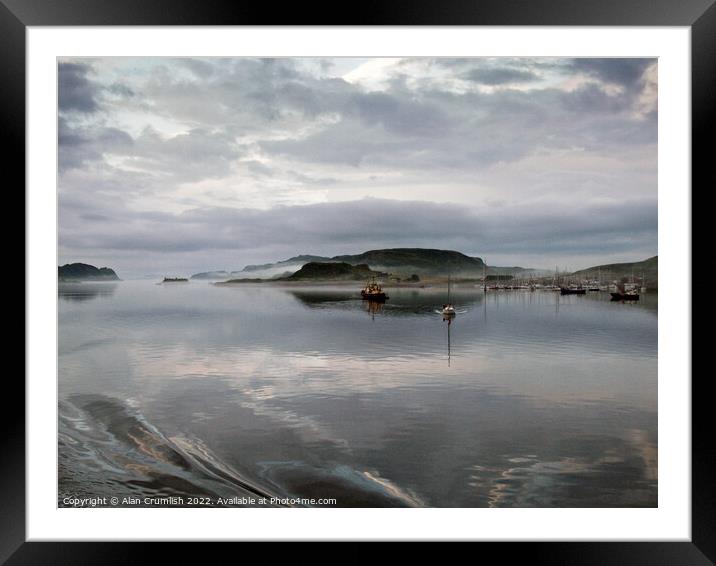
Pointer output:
x,y
84,291
313,298
448,318
403,301
191,390
373,307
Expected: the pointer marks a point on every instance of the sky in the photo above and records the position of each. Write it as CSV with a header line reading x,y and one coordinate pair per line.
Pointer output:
x,y
176,166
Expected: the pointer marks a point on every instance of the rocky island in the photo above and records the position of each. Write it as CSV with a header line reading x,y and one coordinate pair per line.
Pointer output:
x,y
84,272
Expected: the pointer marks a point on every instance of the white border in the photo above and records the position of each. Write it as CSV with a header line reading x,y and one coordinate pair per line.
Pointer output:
x,y
670,521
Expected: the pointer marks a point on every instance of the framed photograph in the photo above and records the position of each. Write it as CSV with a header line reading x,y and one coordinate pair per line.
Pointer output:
x,y
392,279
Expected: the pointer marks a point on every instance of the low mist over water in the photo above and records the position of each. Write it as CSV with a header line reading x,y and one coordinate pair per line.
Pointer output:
x,y
526,399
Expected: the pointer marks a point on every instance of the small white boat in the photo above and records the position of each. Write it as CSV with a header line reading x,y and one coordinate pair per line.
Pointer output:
x,y
448,308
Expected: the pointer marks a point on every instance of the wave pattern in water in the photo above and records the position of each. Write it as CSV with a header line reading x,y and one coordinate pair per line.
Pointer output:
x,y
105,447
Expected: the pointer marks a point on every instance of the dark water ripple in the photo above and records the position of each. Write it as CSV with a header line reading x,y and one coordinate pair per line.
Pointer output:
x,y
99,434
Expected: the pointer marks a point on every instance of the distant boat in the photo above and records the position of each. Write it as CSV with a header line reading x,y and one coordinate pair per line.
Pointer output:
x,y
623,295
175,280
448,308
373,291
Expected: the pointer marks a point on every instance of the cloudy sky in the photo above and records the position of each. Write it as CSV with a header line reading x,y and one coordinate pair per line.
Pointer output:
x,y
174,166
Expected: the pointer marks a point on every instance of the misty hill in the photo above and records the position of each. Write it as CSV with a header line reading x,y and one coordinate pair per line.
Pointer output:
x,y
333,271
649,268
85,272
418,260
213,275
269,273
398,261
263,271
514,271
299,259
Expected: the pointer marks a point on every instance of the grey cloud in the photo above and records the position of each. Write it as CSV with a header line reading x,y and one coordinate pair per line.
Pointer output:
x,y
192,155
120,90
323,228
264,171
592,98
76,92
258,168
196,154
621,71
499,76
78,146
347,142
498,70
274,121
246,94
264,94
474,131
419,128
202,69
310,180
326,65
400,114
92,217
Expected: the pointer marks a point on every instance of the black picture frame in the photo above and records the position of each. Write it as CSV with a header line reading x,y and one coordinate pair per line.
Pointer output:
x,y
17,15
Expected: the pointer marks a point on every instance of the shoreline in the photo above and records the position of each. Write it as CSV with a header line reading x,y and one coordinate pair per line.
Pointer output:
x,y
314,283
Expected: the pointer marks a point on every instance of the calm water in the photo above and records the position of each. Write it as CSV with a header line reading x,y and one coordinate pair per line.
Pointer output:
x,y
524,400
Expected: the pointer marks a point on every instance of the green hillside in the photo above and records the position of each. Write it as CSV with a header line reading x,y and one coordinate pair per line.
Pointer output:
x,y
649,268
332,271
397,261
421,261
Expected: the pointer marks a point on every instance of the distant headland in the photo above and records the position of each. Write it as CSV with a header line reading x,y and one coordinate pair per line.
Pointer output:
x,y
316,271
85,272
399,262
406,266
